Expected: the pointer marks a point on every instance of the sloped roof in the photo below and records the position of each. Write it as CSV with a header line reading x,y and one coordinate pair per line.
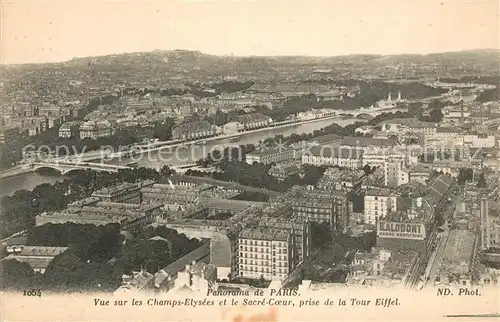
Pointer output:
x,y
343,153
439,187
364,142
251,117
194,126
181,263
458,251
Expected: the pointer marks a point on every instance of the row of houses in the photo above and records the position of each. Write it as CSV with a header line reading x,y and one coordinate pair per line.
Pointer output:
x,y
331,150
203,129
432,134
89,129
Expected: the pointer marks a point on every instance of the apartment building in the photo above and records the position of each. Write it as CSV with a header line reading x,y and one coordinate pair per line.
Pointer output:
x,y
284,170
330,207
408,125
70,129
95,129
301,235
248,122
378,203
334,156
395,173
479,140
376,157
420,173
38,257
444,137
494,239
35,125
131,217
412,226
268,156
125,192
354,142
193,130
9,135
337,179
264,252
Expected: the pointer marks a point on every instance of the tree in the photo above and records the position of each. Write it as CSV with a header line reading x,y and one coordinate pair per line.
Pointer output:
x,y
13,271
127,175
67,272
312,174
220,118
489,95
166,172
464,175
367,169
163,130
436,115
321,234
231,86
481,183
88,242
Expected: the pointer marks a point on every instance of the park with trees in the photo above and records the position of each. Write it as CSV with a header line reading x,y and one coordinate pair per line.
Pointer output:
x,y
96,258
18,211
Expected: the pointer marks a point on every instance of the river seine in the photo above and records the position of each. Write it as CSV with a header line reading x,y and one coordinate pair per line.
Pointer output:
x,y
30,180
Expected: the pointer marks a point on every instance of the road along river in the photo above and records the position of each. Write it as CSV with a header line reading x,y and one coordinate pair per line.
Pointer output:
x,y
178,156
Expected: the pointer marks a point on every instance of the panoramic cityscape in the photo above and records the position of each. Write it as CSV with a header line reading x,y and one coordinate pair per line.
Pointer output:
x,y
177,170
320,172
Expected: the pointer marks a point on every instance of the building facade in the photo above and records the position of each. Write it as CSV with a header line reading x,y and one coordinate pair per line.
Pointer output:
x,y
126,192
413,227
69,129
265,253
283,171
130,217
95,129
38,257
330,207
268,156
395,173
378,204
342,157
193,130
252,121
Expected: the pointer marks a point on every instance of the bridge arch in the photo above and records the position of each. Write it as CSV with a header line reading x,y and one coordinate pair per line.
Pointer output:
x,y
46,167
65,168
67,171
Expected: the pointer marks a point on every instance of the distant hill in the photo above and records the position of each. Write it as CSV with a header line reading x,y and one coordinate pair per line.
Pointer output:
x,y
185,60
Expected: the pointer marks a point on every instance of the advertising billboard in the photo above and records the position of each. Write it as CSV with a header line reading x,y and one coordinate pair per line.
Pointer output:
x,y
401,230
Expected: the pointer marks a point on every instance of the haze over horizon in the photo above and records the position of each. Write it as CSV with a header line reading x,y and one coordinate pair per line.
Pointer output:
x,y
45,31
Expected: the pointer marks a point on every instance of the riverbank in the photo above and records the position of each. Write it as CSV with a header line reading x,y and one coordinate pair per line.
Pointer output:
x,y
233,135
22,169
28,180
14,171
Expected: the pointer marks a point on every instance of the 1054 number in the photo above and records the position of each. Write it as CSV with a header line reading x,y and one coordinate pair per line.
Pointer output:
x,y
32,293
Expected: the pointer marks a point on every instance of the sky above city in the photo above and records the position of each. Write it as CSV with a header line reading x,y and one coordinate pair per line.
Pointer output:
x,y
52,31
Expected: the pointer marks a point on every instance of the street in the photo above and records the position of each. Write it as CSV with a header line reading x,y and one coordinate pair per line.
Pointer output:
x,y
436,258
442,238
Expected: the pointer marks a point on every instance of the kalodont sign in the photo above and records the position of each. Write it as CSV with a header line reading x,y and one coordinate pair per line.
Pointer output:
x,y
401,230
